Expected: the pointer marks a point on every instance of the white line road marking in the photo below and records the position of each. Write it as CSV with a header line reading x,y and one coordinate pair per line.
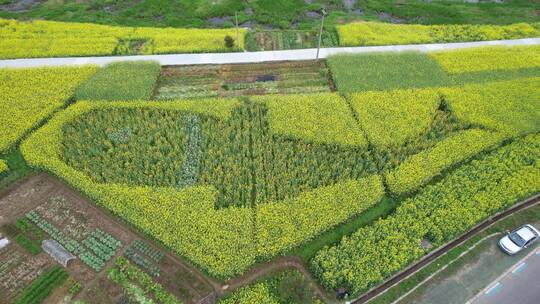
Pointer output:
x,y
493,288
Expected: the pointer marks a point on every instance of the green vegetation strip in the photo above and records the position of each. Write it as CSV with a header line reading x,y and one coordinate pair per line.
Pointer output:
x,y
41,287
121,81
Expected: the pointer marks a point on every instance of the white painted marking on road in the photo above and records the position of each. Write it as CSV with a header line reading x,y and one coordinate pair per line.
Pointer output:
x,y
519,268
538,253
493,288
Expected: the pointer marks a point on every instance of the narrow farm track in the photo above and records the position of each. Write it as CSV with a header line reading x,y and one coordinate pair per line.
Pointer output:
x,y
276,265
253,57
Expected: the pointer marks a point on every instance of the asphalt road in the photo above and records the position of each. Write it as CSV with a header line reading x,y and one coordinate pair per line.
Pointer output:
x,y
521,285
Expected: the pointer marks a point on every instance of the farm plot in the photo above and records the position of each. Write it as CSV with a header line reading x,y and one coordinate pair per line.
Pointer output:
x,y
179,82
62,215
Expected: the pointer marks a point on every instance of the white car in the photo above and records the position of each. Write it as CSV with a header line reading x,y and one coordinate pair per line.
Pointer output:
x,y
519,239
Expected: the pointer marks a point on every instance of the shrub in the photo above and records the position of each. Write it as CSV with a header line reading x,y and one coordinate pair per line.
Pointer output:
x,y
488,59
392,118
439,213
30,95
321,118
283,225
20,39
510,106
121,81
229,42
418,169
41,287
376,33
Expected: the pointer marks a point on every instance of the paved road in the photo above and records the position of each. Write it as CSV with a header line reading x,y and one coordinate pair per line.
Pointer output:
x,y
519,286
251,57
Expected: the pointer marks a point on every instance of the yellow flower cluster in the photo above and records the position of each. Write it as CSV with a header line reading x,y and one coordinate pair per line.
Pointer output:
x,y
376,33
20,39
3,166
489,59
322,118
30,95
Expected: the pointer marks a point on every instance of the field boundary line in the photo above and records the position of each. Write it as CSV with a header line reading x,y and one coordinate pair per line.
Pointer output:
x,y
444,267
257,57
432,256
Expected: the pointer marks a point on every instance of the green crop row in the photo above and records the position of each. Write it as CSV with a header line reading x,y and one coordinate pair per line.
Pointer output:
x,y
488,58
420,168
387,71
283,225
376,33
121,81
19,39
30,95
28,244
41,287
139,284
439,213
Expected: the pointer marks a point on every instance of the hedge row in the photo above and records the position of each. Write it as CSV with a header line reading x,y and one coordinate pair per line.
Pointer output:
x,y
420,168
30,95
21,39
283,225
488,59
41,287
439,213
121,81
376,33
222,241
319,118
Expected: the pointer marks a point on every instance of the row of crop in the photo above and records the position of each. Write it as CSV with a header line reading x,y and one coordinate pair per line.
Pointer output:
x,y
121,81
420,168
138,284
30,95
281,226
41,287
439,213
219,240
94,253
191,168
20,39
376,33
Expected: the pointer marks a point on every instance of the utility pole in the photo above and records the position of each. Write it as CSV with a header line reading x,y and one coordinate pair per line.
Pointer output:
x,y
323,11
237,30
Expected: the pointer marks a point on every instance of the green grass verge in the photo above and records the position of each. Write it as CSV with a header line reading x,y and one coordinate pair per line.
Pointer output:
x,y
121,81
386,206
18,168
525,216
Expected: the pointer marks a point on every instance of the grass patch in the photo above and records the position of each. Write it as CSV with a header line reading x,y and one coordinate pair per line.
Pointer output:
x,y
18,168
121,81
385,207
385,71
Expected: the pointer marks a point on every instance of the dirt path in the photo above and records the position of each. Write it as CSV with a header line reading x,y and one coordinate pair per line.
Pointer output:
x,y
277,265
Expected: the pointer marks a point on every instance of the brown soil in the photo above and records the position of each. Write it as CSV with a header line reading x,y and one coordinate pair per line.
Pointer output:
x,y
176,274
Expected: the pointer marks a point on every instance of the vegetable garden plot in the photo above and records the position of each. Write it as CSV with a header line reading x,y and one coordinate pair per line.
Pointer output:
x,y
242,79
